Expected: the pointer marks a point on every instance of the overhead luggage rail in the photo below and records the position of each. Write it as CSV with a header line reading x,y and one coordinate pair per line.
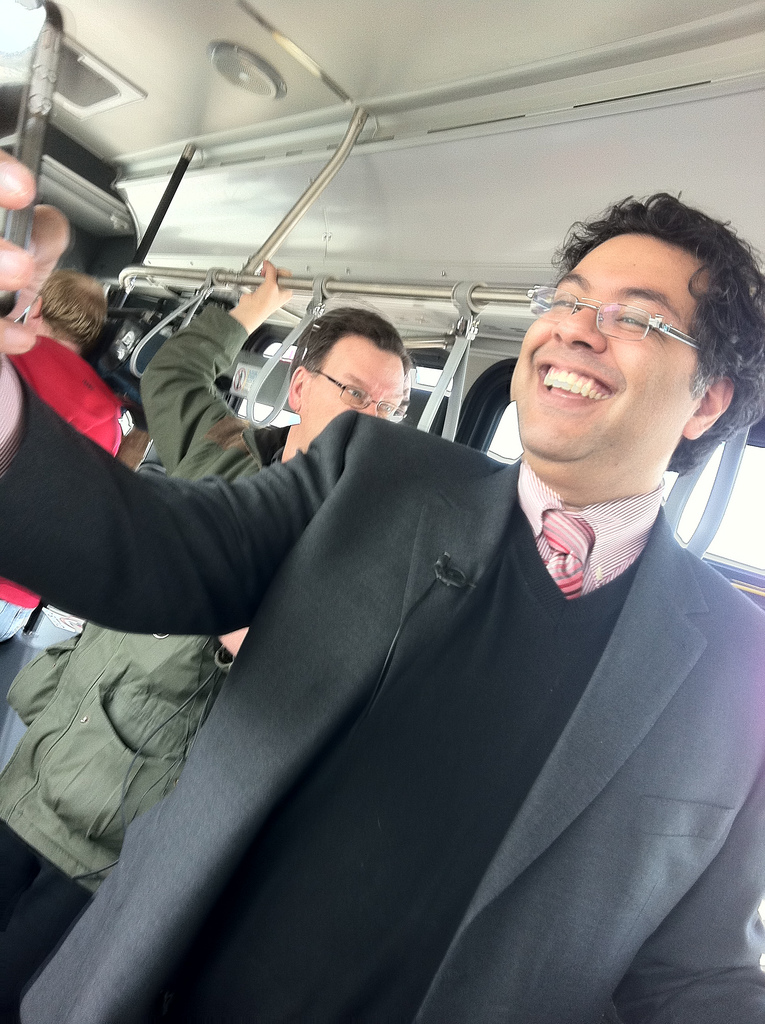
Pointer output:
x,y
468,297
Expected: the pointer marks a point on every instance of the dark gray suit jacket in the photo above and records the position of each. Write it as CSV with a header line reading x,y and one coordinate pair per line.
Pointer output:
x,y
634,866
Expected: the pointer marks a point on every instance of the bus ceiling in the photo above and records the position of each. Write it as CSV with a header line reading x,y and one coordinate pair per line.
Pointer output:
x,y
487,135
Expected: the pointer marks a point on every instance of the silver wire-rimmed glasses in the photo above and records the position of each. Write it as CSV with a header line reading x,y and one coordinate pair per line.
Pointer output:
x,y
358,399
613,319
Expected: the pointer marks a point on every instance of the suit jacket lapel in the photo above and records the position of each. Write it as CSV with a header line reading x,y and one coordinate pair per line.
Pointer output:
x,y
652,650
469,532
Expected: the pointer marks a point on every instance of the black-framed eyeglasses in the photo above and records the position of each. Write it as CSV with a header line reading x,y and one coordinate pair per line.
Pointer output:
x,y
613,319
358,399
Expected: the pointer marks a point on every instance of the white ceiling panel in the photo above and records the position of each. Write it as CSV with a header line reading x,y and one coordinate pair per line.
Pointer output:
x,y
488,208
416,65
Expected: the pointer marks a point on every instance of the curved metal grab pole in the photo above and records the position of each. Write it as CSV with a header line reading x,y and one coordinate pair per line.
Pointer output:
x,y
130,274
311,194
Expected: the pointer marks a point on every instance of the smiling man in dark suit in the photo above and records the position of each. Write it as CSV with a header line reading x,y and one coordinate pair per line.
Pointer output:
x,y
493,748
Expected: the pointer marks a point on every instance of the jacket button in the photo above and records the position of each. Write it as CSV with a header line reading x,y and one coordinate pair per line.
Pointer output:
x,y
84,718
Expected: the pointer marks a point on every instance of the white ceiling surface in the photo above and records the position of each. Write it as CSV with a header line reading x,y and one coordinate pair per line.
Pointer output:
x,y
488,208
416,64
439,199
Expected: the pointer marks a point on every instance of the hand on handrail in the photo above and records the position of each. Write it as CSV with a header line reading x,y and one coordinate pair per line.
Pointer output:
x,y
254,308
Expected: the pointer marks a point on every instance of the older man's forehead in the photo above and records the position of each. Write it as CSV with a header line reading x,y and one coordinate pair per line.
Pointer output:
x,y
369,385
379,384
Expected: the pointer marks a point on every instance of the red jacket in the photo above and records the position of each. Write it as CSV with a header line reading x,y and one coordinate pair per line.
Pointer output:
x,y
71,387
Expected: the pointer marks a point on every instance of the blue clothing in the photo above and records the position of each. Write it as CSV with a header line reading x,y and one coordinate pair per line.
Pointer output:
x,y
12,618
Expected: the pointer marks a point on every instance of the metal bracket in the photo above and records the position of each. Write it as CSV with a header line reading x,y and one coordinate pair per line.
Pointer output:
x,y
189,304
314,310
455,368
202,295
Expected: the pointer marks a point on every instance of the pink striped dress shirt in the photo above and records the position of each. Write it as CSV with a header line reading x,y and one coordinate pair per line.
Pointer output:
x,y
621,527
11,413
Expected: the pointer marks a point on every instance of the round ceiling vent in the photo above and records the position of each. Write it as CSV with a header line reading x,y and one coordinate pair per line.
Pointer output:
x,y
246,70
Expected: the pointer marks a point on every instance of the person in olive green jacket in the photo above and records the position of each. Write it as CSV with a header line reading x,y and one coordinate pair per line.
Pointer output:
x,y
112,716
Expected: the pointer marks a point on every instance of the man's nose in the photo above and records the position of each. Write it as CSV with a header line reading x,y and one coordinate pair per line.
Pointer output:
x,y
581,328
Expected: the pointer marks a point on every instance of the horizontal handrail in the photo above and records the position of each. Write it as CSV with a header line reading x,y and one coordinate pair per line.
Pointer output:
x,y
480,294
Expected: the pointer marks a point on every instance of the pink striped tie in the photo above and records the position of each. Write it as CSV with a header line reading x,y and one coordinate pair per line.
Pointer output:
x,y
571,539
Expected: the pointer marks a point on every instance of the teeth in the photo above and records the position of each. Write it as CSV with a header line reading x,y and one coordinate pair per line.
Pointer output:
x,y
568,381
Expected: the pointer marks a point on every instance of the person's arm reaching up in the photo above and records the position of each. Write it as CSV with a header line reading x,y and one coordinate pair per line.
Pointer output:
x,y
178,389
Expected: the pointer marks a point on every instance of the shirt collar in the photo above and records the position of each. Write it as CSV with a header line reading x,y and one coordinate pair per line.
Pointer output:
x,y
621,527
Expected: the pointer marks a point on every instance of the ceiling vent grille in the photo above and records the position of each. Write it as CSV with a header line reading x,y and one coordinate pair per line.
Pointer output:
x,y
86,86
246,70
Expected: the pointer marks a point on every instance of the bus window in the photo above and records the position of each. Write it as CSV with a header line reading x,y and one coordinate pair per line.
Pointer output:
x,y
739,540
506,445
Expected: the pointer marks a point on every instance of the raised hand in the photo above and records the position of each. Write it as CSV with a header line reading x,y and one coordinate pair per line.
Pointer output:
x,y
17,190
254,308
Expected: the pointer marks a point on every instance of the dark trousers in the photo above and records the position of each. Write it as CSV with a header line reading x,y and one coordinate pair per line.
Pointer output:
x,y
37,904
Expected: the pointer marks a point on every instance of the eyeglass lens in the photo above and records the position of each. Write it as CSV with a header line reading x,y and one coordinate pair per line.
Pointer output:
x,y
613,319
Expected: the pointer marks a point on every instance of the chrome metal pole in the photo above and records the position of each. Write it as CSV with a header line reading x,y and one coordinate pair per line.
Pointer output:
x,y
34,112
311,194
504,295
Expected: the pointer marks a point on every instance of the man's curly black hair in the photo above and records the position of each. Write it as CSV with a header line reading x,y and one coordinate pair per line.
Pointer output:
x,y
729,288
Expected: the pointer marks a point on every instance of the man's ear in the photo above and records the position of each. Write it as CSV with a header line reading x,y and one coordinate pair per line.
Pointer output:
x,y
715,401
300,378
